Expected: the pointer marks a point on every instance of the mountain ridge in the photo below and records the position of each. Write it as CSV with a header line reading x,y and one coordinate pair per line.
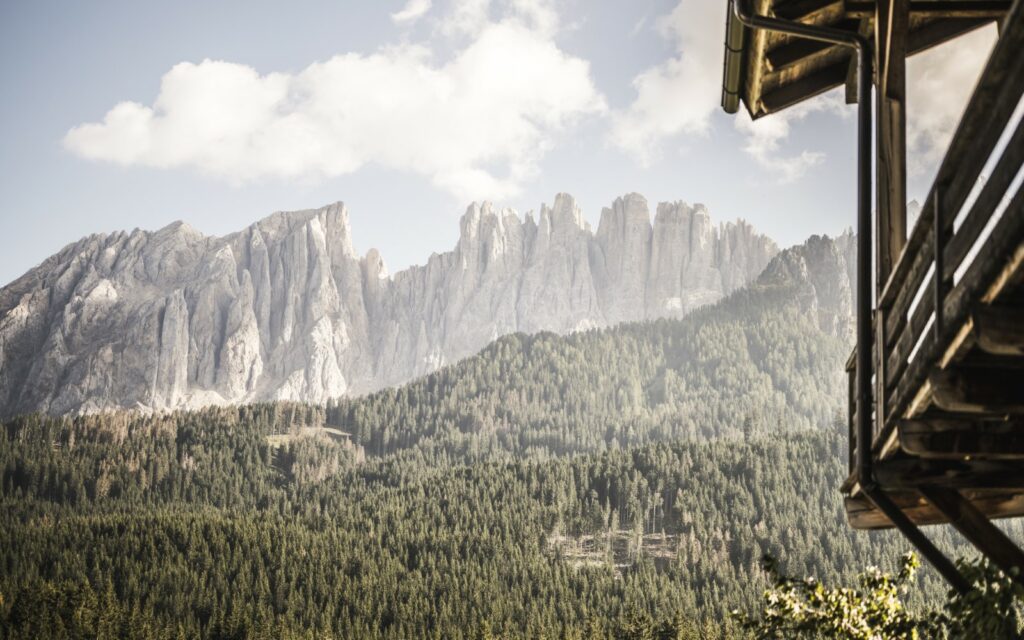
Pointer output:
x,y
286,309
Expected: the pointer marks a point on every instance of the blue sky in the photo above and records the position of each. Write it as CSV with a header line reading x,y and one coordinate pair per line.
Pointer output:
x,y
119,114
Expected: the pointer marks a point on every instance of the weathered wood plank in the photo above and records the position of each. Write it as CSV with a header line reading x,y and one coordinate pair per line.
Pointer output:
x,y
803,10
999,330
861,514
993,9
912,473
899,303
953,439
795,53
996,186
937,31
908,338
1005,247
806,87
986,391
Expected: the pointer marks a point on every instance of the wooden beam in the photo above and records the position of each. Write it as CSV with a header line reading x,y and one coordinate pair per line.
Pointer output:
x,y
897,25
961,438
862,514
974,526
802,9
806,87
841,72
799,51
921,542
913,473
982,390
999,330
992,9
938,31
795,53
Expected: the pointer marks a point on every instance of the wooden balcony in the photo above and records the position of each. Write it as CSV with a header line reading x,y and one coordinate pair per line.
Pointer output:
x,y
936,407
948,348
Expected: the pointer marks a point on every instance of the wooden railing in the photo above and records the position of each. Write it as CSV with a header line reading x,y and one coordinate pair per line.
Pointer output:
x,y
970,224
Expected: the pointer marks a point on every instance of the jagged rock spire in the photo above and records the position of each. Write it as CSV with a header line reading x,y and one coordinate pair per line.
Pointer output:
x,y
286,309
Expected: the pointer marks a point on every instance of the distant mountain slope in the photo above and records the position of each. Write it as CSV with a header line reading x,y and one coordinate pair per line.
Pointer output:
x,y
286,309
767,358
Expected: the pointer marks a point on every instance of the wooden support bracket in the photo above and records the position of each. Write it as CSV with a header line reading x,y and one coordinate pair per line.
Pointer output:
x,y
974,526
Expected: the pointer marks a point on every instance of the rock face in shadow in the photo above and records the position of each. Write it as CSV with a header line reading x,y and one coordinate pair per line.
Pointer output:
x,y
287,310
824,272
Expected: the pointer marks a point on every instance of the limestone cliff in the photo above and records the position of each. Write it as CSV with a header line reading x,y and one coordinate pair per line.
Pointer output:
x,y
286,309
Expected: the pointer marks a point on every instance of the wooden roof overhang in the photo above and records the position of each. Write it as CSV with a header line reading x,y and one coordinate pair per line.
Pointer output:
x,y
769,71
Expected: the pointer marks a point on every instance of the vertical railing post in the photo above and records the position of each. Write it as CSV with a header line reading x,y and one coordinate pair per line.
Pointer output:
x,y
938,244
881,397
939,237
851,411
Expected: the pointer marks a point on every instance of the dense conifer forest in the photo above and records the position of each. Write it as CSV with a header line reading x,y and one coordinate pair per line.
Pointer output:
x,y
616,483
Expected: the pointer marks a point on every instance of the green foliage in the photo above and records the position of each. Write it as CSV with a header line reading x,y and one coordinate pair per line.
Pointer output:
x,y
991,609
806,608
875,610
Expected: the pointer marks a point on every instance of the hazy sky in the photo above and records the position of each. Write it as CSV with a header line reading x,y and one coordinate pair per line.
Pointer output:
x,y
124,114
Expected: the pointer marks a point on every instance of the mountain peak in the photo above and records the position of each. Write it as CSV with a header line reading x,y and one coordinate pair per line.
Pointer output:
x,y
178,227
564,216
823,272
286,310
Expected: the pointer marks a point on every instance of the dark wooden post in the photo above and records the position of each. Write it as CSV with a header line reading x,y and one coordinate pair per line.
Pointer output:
x,y
891,22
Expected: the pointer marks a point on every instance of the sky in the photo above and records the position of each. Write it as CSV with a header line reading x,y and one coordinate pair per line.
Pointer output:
x,y
123,114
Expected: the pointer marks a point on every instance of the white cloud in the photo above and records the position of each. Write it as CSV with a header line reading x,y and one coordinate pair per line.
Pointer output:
x,y
678,96
411,12
765,135
469,17
466,17
939,83
537,14
476,125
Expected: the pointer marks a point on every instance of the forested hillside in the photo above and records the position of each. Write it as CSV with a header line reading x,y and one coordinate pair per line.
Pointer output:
x,y
547,487
195,525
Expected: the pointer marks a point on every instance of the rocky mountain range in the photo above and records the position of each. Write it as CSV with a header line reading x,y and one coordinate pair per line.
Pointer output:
x,y
286,309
